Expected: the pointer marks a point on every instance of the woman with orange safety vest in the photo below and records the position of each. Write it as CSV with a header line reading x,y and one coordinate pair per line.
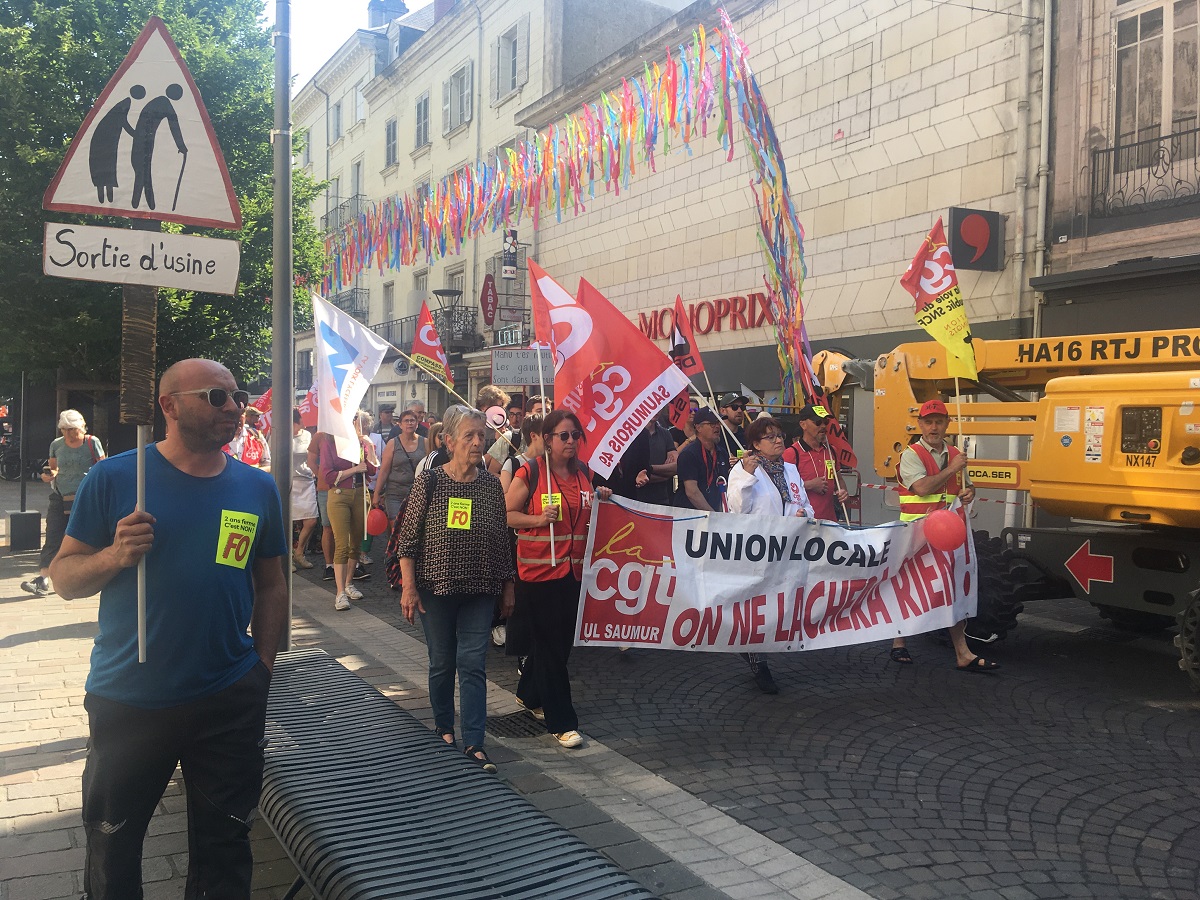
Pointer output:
x,y
549,503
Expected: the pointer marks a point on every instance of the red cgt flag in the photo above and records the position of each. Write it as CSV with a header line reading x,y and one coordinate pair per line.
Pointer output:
x,y
683,348
427,349
606,371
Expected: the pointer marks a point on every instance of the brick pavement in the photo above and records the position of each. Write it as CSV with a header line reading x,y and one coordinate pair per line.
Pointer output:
x,y
1071,774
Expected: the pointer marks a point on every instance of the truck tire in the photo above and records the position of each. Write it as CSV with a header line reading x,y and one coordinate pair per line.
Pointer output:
x,y
1135,620
1001,584
1188,641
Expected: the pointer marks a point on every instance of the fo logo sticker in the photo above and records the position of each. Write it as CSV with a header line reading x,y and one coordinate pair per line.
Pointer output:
x,y
235,538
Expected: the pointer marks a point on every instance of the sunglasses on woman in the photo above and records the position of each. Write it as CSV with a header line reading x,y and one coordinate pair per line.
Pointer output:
x,y
565,436
217,397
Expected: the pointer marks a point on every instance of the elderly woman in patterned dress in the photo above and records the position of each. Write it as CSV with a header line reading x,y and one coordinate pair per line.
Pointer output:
x,y
456,561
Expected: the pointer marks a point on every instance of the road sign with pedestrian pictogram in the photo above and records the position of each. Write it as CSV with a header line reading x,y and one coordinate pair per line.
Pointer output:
x,y
147,149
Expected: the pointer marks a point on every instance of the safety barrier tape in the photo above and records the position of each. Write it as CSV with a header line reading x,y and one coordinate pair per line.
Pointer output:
x,y
892,488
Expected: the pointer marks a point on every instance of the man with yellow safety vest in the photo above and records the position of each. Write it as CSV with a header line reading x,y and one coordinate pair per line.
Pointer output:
x,y
930,475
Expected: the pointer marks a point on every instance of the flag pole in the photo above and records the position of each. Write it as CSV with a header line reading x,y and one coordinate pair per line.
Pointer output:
x,y
961,436
549,474
712,405
444,384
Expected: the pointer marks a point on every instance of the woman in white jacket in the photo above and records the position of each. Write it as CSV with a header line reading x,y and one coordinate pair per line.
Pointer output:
x,y
763,483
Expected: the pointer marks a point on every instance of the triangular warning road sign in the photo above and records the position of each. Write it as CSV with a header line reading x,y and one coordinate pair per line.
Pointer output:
x,y
147,148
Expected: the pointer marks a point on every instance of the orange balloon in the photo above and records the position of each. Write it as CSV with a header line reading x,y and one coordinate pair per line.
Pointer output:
x,y
945,530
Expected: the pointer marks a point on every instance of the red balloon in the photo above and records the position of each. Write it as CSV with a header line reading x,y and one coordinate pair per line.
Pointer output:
x,y
944,530
377,522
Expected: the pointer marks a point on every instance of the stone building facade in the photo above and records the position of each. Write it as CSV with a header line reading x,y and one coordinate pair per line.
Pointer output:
x,y
888,113
413,97
1124,228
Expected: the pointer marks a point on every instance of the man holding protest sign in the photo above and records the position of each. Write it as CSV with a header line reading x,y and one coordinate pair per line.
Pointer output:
x,y
930,477
212,538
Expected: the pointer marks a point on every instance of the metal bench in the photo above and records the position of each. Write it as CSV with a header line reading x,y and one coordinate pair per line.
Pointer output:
x,y
369,803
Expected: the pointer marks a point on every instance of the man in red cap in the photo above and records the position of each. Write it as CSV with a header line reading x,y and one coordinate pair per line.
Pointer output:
x,y
930,477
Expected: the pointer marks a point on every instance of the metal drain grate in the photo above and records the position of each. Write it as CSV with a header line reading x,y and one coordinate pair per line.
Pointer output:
x,y
515,725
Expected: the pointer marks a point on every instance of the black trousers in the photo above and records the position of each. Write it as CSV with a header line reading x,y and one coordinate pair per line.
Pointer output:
x,y
57,513
552,607
132,754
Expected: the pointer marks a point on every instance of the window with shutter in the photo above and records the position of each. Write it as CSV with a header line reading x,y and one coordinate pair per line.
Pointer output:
x,y
496,90
335,122
390,150
421,118
456,97
521,70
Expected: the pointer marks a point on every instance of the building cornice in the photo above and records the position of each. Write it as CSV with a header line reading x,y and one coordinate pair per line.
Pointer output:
x,y
360,46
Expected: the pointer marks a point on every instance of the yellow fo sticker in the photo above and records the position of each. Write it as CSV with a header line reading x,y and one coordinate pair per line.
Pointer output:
x,y
829,469
821,411
556,500
236,538
458,514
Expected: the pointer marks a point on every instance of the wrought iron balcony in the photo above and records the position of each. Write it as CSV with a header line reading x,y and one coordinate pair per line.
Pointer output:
x,y
510,333
455,327
354,302
343,214
1146,175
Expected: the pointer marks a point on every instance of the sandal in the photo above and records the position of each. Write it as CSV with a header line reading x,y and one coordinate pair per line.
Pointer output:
x,y
979,664
902,656
477,756
443,734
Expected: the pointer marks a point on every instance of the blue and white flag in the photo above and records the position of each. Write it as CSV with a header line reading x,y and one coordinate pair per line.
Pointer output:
x,y
348,355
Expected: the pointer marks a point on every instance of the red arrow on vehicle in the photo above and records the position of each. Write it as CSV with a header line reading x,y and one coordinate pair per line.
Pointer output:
x,y
1087,567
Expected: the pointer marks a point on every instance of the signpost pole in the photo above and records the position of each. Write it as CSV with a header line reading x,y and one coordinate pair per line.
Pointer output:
x,y
139,335
282,354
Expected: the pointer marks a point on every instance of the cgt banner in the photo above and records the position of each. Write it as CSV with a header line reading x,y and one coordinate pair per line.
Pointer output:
x,y
682,580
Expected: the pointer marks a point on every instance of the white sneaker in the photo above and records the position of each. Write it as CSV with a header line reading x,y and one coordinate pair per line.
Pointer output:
x,y
341,602
353,593
365,560
499,635
570,739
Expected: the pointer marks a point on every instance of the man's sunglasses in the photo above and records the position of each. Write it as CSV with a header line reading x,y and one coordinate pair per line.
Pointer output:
x,y
737,406
567,435
218,397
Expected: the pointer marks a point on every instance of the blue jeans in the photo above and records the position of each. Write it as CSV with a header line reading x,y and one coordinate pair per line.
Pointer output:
x,y
456,632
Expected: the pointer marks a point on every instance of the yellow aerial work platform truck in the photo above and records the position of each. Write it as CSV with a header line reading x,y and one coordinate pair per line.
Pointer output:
x,y
1104,434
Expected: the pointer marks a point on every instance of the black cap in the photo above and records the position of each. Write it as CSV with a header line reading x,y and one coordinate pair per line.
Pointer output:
x,y
730,399
816,413
704,414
